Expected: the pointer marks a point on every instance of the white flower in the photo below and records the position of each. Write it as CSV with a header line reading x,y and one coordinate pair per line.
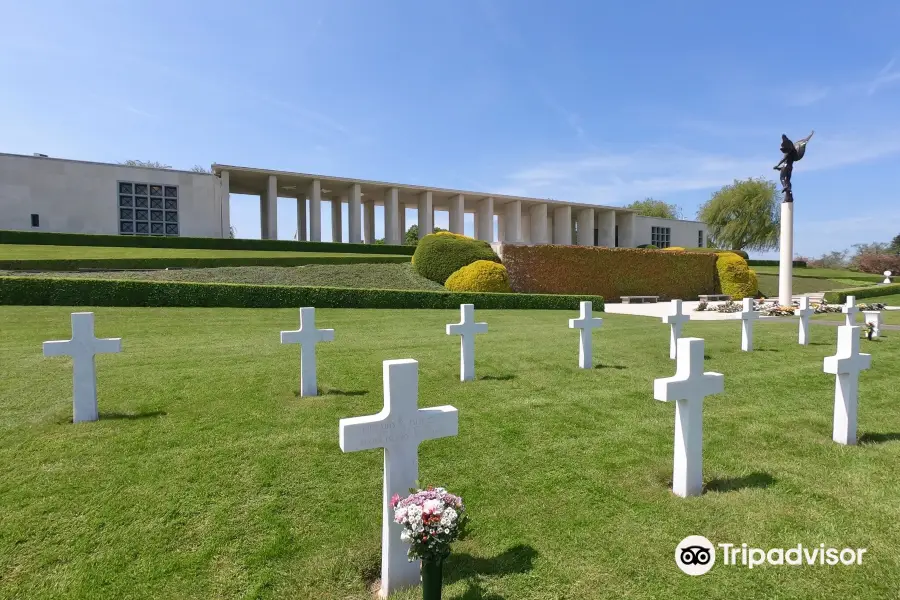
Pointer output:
x,y
404,536
432,507
400,514
449,517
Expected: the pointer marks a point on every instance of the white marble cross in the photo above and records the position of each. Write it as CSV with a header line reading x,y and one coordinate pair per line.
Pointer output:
x,y
688,388
82,348
466,329
846,365
805,312
675,319
850,309
307,336
399,428
748,315
586,323
873,317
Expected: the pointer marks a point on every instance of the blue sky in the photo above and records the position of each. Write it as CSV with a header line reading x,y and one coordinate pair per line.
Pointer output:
x,y
588,101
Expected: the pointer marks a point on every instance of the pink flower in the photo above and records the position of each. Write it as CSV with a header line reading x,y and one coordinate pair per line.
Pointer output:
x,y
394,500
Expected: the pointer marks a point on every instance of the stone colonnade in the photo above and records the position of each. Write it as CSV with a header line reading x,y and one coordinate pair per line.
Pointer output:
x,y
518,221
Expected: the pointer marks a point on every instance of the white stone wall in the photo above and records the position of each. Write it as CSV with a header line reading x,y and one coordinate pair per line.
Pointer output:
x,y
81,197
683,233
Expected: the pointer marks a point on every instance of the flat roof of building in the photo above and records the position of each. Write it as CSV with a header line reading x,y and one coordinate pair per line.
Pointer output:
x,y
249,180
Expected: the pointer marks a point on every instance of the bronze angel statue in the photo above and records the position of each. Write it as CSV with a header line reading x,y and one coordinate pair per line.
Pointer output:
x,y
792,152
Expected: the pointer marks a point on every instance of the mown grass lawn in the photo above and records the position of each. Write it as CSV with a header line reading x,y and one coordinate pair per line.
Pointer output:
x,y
367,276
41,252
768,285
822,273
207,476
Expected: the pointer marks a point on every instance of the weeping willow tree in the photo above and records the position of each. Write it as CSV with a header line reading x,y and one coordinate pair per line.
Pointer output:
x,y
744,215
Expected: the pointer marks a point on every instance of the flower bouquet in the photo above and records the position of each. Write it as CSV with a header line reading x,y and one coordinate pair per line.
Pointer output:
x,y
432,519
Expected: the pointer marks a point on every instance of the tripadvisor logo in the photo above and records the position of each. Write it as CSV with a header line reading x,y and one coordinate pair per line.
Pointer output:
x,y
696,555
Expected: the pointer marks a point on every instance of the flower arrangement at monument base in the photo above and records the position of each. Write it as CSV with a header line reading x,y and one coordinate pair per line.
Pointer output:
x,y
432,519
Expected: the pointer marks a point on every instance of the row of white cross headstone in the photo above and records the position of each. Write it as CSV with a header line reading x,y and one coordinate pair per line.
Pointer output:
x,y
676,319
401,426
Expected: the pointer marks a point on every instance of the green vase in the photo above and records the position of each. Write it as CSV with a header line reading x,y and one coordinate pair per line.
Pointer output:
x,y
432,575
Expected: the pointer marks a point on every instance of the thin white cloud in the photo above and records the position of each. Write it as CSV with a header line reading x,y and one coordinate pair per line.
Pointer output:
x,y
888,75
613,178
806,95
139,112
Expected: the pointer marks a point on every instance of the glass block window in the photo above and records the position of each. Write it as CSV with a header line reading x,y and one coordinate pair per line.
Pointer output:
x,y
147,208
700,239
660,236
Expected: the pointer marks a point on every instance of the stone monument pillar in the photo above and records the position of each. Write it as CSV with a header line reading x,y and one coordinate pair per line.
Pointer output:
x,y
786,264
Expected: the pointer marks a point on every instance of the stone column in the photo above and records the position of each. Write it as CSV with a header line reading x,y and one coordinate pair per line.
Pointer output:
x,y
354,215
268,210
562,225
301,218
315,211
525,230
606,228
425,214
457,214
539,224
484,220
786,262
512,222
585,232
401,219
369,221
225,179
337,218
391,217
626,222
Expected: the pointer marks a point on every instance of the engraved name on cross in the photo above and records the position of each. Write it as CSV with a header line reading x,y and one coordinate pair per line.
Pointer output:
x,y
399,428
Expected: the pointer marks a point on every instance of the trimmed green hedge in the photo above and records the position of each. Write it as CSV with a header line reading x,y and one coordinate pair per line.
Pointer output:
x,y
840,296
40,291
136,241
190,263
439,255
801,264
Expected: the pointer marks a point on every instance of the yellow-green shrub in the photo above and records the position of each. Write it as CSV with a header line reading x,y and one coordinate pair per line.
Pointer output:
x,y
439,255
736,278
480,276
609,272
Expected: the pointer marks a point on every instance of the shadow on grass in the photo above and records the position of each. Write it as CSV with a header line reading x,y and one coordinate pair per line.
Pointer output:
x,y
602,366
517,559
878,438
328,392
767,349
475,592
732,484
707,357
132,416
507,377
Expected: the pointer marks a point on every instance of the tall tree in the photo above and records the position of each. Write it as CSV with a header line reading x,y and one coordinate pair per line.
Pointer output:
x,y
649,207
895,244
744,215
146,164
412,235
